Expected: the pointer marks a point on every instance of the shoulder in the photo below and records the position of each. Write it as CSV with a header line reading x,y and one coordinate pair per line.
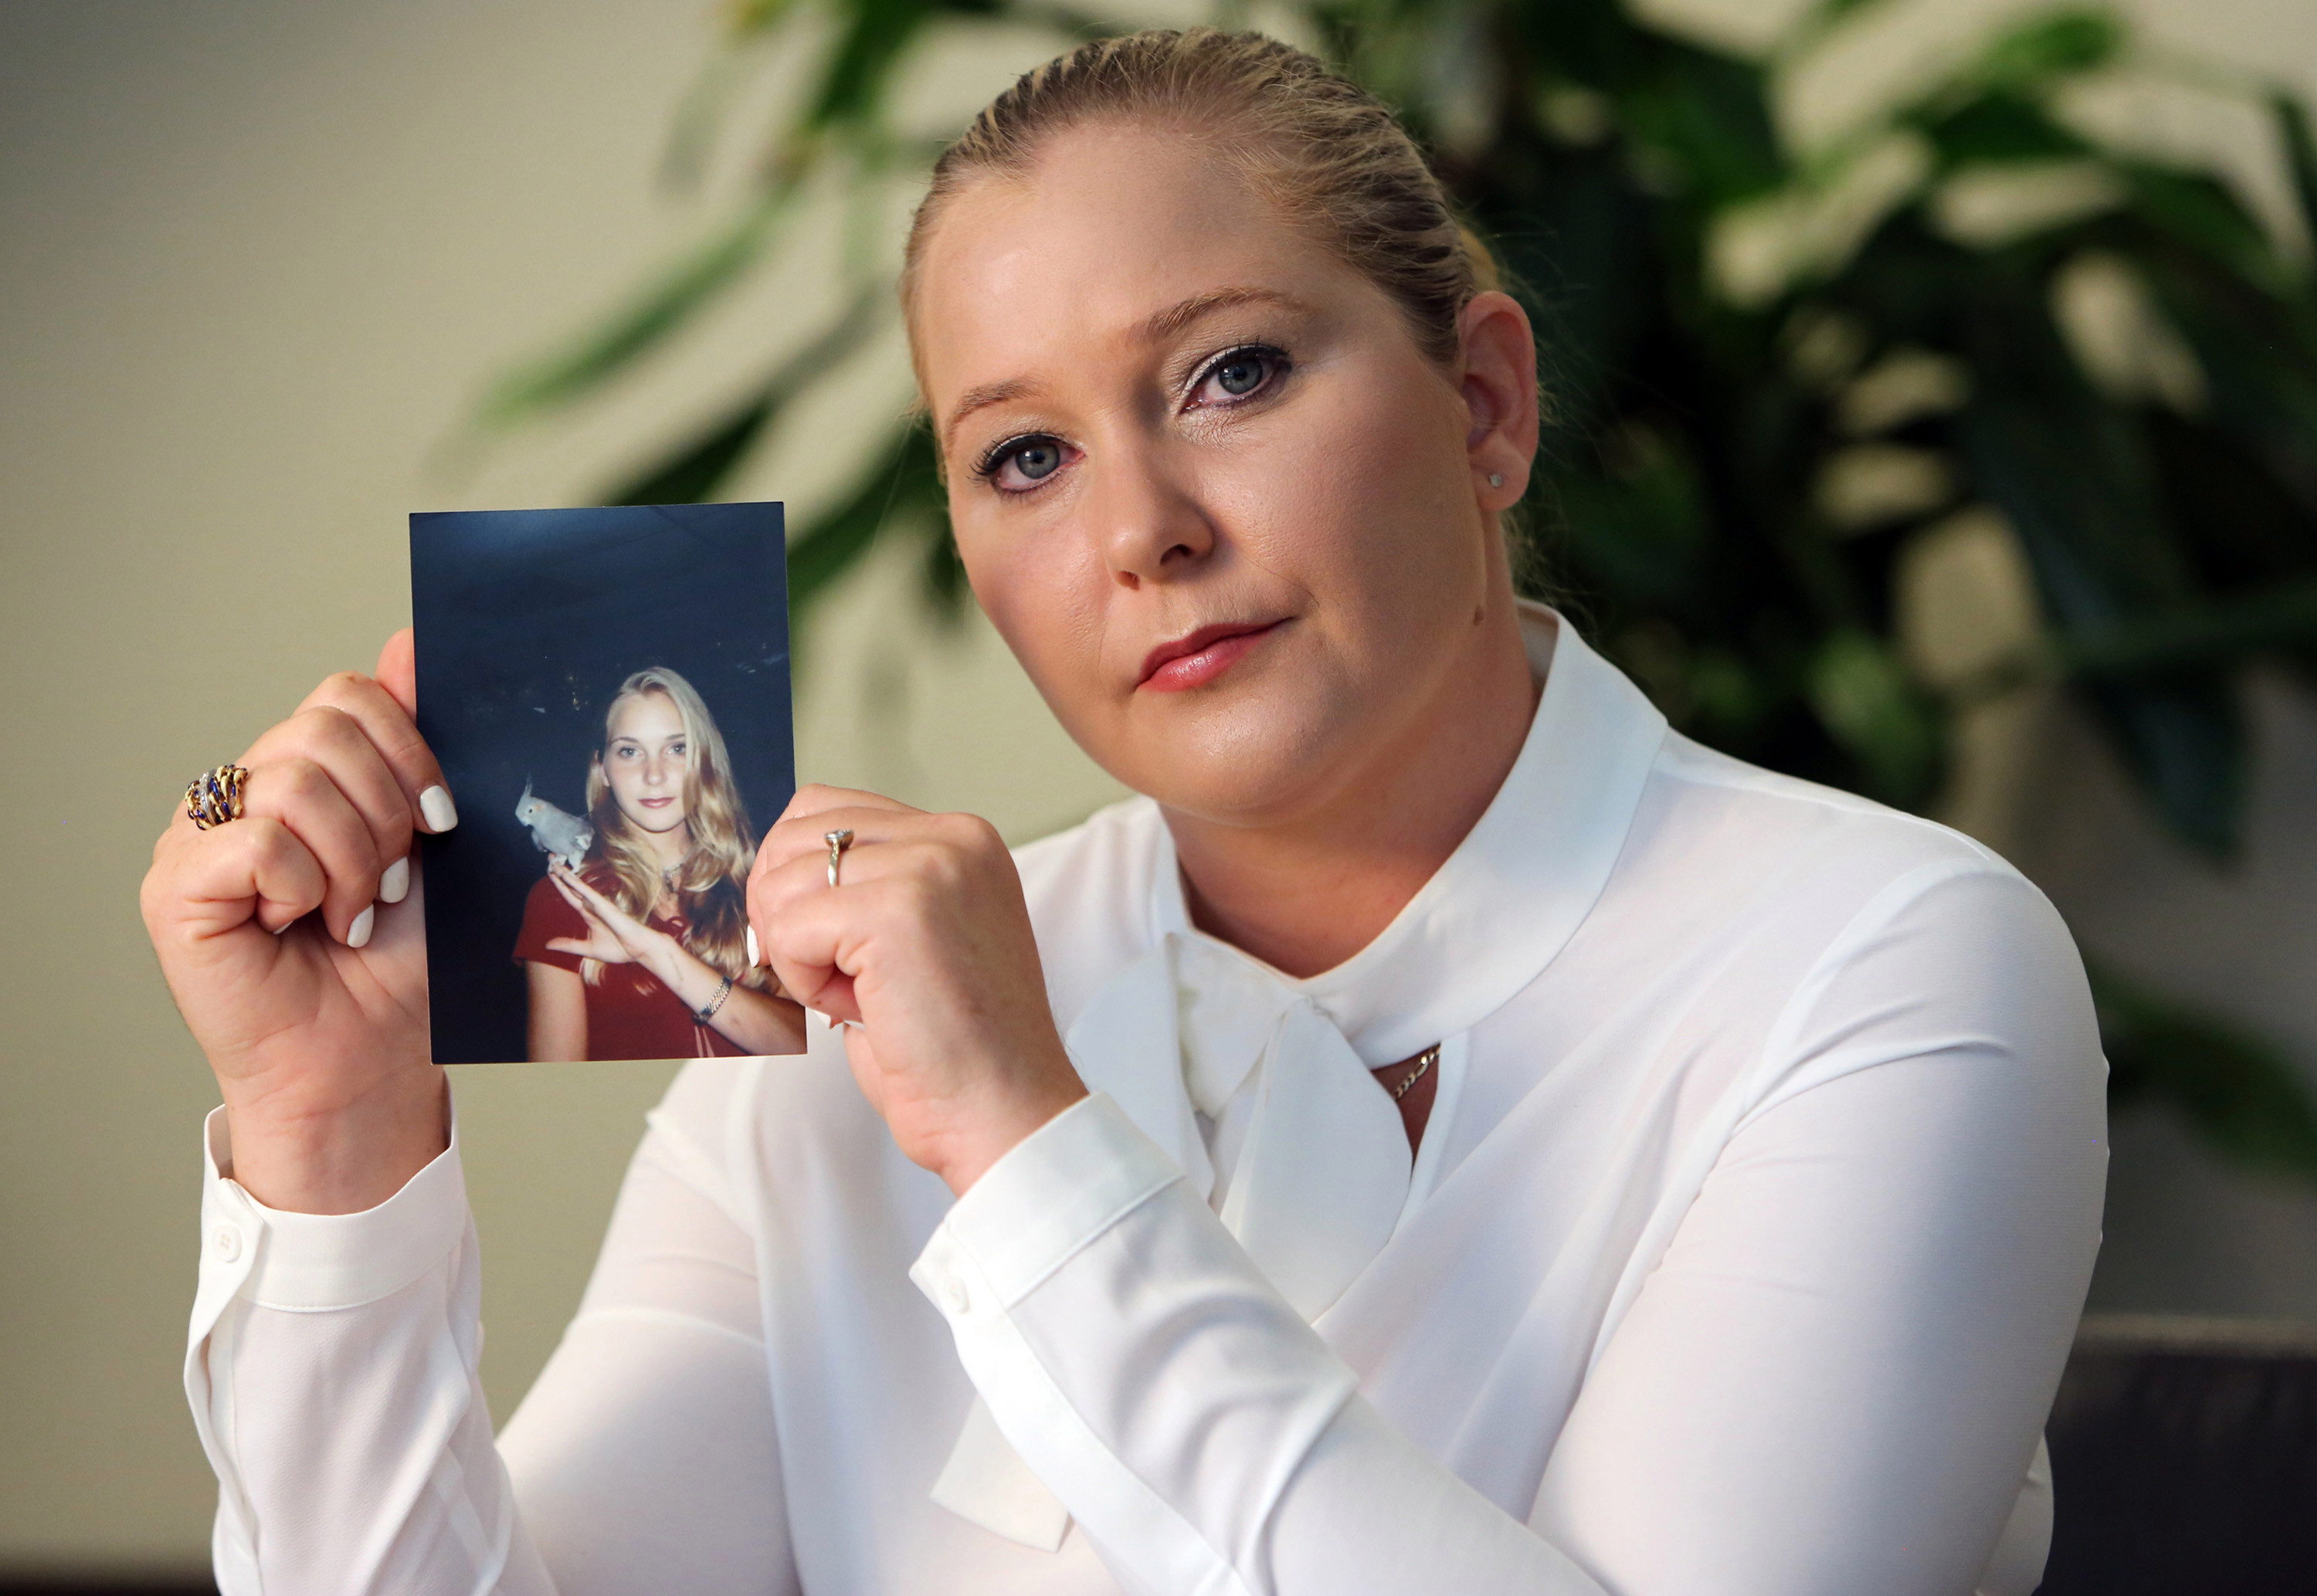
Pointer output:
x,y
1756,821
546,914
1088,891
545,904
1737,853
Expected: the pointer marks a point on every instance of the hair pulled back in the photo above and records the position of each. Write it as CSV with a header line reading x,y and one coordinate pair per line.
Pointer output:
x,y
1329,155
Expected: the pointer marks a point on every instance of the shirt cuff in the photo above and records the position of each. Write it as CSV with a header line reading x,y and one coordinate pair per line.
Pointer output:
x,y
1035,1208
316,1263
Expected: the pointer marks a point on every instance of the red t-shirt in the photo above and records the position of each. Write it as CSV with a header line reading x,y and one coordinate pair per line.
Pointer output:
x,y
630,1014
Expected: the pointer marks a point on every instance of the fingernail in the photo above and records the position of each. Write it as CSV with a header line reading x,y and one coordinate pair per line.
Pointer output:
x,y
754,957
394,882
359,931
440,813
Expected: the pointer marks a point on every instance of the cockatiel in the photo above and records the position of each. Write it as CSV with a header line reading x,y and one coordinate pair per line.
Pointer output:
x,y
562,836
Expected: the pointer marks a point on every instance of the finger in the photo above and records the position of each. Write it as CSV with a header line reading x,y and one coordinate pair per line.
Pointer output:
x,y
333,740
397,670
577,883
814,798
569,945
816,948
806,835
301,796
586,910
387,723
209,883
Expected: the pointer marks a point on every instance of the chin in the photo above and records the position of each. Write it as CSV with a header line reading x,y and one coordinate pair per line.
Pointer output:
x,y
1255,761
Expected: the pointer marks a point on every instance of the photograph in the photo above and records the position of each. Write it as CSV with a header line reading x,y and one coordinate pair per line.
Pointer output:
x,y
607,690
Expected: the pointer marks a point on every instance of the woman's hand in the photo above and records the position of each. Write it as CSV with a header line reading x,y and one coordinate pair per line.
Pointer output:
x,y
926,946
613,935
313,1022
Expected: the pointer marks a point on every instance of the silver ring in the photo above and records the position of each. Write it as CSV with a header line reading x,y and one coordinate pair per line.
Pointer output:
x,y
838,842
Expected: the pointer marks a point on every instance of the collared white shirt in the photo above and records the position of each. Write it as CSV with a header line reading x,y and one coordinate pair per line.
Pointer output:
x,y
1742,1253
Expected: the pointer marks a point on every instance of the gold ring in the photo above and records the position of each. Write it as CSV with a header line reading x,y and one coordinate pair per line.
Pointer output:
x,y
838,842
214,796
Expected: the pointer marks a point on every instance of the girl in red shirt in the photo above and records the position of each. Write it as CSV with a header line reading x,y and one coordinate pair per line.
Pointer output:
x,y
640,953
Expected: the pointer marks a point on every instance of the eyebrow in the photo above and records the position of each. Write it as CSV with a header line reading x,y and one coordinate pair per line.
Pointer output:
x,y
1155,329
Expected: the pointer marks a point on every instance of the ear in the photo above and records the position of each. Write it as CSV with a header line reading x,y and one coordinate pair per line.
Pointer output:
x,y
1499,384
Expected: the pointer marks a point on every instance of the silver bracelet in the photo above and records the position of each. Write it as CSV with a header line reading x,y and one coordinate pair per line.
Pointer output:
x,y
723,991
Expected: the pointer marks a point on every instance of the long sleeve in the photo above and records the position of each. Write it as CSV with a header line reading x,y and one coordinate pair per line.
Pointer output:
x,y
1832,1382
333,1373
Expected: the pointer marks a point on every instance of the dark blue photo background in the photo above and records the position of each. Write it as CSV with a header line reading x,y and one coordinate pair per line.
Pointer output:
x,y
528,621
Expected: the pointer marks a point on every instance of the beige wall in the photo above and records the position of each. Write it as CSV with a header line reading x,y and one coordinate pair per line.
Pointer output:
x,y
254,258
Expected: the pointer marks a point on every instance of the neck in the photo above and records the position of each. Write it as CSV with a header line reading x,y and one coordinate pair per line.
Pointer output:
x,y
671,847
1306,893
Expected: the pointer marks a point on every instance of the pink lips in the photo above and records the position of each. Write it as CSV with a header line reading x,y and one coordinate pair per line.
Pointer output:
x,y
657,803
1198,658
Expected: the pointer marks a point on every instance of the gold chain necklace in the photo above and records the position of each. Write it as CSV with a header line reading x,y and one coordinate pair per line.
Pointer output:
x,y
1424,1063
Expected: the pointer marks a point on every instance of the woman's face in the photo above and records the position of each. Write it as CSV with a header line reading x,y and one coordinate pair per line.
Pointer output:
x,y
645,761
1233,522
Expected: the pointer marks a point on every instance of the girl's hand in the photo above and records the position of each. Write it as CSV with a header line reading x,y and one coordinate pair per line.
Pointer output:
x,y
293,942
926,945
613,935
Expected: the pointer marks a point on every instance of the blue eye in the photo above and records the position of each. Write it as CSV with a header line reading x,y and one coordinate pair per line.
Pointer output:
x,y
1238,374
1019,464
1035,459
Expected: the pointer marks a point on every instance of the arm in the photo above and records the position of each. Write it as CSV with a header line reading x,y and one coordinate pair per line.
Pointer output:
x,y
556,1028
341,1404
1873,1294
757,1021
1832,1382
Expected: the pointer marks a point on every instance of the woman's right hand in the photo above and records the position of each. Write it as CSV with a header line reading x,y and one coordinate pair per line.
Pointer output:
x,y
315,1023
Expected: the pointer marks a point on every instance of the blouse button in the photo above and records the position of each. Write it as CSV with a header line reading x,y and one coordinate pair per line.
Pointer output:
x,y
228,1242
959,1295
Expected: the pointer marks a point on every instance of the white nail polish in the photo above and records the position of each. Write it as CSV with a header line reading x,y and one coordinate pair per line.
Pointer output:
x,y
755,958
394,882
359,931
440,813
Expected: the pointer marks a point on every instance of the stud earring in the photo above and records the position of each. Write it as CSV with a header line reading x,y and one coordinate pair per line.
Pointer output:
x,y
1496,479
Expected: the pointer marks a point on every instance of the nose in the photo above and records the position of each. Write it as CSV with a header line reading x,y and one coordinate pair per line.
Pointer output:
x,y
1152,526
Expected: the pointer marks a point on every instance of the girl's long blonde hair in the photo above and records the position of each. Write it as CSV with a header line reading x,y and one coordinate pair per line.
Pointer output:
x,y
711,884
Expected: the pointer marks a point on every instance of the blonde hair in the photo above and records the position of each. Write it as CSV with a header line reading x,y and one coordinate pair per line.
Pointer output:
x,y
1331,157
711,884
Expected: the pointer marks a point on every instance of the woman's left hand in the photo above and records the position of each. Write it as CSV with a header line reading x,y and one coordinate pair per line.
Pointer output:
x,y
926,946
613,935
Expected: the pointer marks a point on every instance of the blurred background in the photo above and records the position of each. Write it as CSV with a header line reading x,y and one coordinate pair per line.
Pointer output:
x,y
1936,391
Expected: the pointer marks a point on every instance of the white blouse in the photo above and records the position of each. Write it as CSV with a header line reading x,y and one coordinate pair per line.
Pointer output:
x,y
1742,1254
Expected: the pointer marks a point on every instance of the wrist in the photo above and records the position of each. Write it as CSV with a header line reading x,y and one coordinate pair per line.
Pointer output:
x,y
341,1157
666,959
1002,1126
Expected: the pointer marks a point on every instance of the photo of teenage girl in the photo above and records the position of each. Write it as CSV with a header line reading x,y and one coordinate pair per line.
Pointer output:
x,y
641,951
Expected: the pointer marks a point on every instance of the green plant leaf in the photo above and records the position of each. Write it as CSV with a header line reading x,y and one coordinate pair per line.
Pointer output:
x,y
1816,22
2000,126
2205,213
2034,54
2193,638
680,292
2240,1095
901,483
1868,707
2291,120
697,470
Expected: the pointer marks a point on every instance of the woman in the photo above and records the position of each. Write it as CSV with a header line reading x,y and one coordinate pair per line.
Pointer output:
x,y
1450,1134
642,952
